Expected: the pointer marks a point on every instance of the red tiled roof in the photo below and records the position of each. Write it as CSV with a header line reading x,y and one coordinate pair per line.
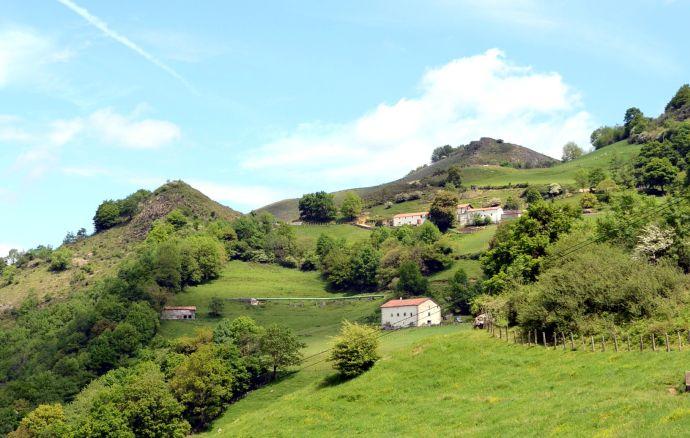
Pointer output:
x,y
412,214
464,205
180,308
408,302
484,209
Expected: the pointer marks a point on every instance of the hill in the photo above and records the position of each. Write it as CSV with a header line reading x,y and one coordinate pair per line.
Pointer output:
x,y
450,381
98,255
475,174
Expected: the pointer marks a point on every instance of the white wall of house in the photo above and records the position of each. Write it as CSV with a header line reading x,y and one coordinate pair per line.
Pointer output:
x,y
178,314
466,216
426,313
409,219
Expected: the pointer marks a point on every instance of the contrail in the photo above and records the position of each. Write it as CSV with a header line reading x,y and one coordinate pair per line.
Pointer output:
x,y
103,27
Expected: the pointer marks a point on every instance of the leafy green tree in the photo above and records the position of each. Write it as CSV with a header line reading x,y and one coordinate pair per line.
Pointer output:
x,y
317,207
355,349
352,206
44,421
203,384
281,347
657,173
571,151
511,204
633,118
443,210
454,177
324,244
242,331
130,205
441,152
177,219
607,135
460,292
410,279
215,307
202,259
363,266
167,265
428,232
595,176
335,268
588,201
680,99
107,216
532,195
581,178
60,259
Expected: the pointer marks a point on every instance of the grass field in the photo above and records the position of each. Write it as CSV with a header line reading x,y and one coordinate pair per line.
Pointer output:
x,y
307,235
450,381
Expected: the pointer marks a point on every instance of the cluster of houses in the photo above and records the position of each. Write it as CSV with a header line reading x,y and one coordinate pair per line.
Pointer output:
x,y
465,215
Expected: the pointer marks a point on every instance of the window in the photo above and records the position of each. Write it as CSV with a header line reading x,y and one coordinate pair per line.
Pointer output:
x,y
429,314
398,314
405,314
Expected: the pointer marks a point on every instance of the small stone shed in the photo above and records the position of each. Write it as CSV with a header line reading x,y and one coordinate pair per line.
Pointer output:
x,y
179,312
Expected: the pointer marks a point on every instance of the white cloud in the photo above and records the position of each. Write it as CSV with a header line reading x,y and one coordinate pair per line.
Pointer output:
x,y
482,95
85,171
23,53
238,196
124,131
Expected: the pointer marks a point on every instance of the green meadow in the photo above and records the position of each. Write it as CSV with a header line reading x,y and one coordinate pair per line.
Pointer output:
x,y
451,381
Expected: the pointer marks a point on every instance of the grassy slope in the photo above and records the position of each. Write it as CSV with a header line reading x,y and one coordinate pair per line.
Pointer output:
x,y
308,234
240,279
462,382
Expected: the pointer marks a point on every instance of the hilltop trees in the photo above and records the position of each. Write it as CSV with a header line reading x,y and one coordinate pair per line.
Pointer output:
x,y
571,151
443,210
441,152
453,176
317,207
111,213
351,206
680,99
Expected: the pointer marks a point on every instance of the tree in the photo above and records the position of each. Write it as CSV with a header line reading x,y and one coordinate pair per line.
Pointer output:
x,y
633,117
281,348
203,384
532,195
588,201
44,421
453,176
680,99
167,264
443,210
351,206
177,219
242,331
441,152
595,176
215,307
317,207
511,204
571,151
363,265
460,292
354,350
411,280
658,173
60,259
107,216
607,135
428,232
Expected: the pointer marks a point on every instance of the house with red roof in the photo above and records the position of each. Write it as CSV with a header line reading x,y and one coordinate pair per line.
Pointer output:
x,y
179,312
412,312
417,218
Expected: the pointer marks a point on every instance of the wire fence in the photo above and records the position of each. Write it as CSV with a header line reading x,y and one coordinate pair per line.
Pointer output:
x,y
612,342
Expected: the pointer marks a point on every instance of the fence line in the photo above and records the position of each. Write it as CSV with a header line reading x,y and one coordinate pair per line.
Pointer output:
x,y
592,343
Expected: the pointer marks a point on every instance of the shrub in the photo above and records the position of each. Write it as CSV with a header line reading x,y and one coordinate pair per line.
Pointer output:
x,y
215,307
60,259
411,280
317,207
588,201
443,210
354,350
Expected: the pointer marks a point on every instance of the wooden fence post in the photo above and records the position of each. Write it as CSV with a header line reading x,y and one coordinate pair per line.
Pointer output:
x,y
653,342
615,342
563,339
529,338
603,343
641,344
668,346
592,339
536,342
680,343
572,341
555,341
508,334
543,338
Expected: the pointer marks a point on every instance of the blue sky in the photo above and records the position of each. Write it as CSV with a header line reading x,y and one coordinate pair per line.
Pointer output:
x,y
253,102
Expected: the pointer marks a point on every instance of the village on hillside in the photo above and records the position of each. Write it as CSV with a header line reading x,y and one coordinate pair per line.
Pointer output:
x,y
466,215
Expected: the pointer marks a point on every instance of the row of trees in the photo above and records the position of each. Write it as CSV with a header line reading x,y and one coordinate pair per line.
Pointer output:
x,y
111,213
321,207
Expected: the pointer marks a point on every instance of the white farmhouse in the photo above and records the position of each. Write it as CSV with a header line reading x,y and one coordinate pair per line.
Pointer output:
x,y
414,312
410,218
179,312
467,215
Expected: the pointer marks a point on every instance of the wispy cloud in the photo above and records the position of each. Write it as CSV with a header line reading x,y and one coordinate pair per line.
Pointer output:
x,y
243,197
105,28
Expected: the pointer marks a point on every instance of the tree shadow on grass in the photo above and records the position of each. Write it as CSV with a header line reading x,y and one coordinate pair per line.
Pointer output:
x,y
333,380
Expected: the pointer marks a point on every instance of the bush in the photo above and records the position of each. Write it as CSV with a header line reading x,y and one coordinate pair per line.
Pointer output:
x,y
317,207
60,259
443,210
588,201
354,350
411,280
215,307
